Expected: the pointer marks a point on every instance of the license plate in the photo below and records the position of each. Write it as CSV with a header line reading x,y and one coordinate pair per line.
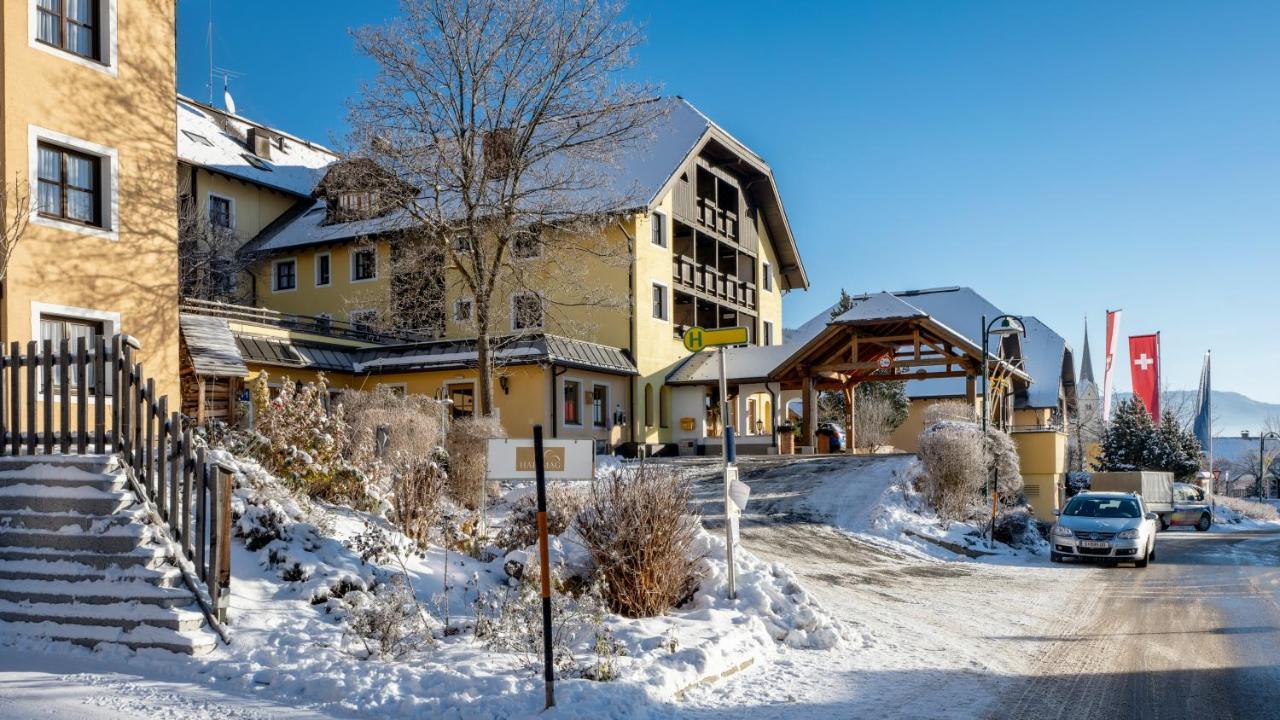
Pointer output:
x,y
1094,544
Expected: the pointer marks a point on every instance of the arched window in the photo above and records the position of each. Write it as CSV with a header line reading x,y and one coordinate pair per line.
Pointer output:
x,y
664,407
648,405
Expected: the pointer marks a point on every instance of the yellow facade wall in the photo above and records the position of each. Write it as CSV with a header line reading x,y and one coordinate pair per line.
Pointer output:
x,y
1042,457
253,206
124,111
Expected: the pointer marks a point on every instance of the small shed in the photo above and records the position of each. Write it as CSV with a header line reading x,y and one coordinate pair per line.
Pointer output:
x,y
212,369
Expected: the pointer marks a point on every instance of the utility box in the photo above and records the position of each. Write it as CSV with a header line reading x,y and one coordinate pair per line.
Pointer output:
x,y
1156,488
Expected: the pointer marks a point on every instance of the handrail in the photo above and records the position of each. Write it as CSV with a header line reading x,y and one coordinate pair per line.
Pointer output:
x,y
189,495
305,323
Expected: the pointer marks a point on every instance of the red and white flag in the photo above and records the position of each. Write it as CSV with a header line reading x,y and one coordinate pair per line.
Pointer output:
x,y
1113,342
1144,363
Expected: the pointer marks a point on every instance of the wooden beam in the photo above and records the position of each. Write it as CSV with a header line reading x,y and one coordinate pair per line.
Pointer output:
x,y
809,421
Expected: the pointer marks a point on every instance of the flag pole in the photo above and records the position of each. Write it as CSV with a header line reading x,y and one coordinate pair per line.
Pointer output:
x,y
1208,369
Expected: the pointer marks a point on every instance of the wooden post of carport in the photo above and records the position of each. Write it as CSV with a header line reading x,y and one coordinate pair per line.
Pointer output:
x,y
808,422
850,416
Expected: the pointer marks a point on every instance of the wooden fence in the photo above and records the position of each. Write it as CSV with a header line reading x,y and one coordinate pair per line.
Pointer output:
x,y
91,397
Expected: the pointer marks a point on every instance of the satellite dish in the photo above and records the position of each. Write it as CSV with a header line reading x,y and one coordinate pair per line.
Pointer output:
x,y
228,102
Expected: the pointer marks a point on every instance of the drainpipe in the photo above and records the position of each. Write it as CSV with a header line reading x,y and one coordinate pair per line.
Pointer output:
x,y
631,285
773,407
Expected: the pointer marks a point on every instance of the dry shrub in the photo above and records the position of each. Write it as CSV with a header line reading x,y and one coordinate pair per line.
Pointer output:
x,y
1248,508
873,422
958,463
417,424
635,525
521,527
951,456
468,441
950,410
417,490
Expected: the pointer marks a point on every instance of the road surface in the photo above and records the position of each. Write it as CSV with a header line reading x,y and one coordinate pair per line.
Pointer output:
x,y
1195,635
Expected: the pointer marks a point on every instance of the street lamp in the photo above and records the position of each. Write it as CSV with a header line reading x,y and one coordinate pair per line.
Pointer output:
x,y
1002,327
1262,458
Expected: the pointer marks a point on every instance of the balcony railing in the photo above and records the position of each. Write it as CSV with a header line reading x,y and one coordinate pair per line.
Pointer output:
x,y
705,278
302,323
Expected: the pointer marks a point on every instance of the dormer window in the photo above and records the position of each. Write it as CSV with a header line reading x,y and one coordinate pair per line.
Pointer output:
x,y
357,203
197,138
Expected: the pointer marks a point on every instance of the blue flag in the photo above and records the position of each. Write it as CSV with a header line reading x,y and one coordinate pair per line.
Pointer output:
x,y
1203,426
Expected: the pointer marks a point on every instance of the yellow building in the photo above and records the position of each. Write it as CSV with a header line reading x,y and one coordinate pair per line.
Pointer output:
x,y
86,101
709,245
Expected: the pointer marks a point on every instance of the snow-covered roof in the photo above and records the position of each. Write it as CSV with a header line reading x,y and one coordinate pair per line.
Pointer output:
x,y
637,179
1048,360
211,346
217,141
878,307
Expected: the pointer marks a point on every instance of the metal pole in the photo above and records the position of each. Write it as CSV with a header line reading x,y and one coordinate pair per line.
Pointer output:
x,y
544,555
990,490
727,434
1262,438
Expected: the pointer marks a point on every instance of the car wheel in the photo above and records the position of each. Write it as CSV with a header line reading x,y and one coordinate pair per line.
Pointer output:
x,y
1055,556
1164,523
1141,563
1204,523
1151,554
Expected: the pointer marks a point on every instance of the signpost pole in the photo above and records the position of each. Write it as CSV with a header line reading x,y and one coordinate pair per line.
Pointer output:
x,y
730,509
544,556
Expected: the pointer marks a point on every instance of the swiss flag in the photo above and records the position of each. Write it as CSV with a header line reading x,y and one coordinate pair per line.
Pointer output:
x,y
1144,364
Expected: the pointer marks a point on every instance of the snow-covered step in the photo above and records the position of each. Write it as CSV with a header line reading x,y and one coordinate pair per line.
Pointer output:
x,y
89,462
54,499
148,556
197,642
71,571
54,476
35,520
117,538
96,592
125,615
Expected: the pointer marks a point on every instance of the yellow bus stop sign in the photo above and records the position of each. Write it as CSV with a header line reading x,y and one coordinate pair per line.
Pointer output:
x,y
696,338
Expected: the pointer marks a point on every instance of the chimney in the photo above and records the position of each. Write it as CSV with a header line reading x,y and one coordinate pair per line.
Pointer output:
x,y
260,142
1244,434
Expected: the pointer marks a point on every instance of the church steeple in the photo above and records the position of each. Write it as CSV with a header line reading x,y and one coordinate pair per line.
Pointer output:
x,y
1086,361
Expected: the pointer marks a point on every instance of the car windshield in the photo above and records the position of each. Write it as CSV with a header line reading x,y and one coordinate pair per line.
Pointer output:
x,y
1102,507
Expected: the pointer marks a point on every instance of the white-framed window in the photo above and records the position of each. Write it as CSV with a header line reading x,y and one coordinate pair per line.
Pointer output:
x,y
284,275
462,309
600,405
526,311
766,278
81,31
768,333
74,183
55,322
659,229
527,246
571,401
222,211
364,264
363,320
324,270
660,304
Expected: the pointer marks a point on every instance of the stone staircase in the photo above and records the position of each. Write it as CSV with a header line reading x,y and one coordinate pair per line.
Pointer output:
x,y
81,562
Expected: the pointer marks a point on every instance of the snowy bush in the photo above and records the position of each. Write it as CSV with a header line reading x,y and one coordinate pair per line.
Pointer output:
x,y
520,530
957,463
509,620
297,439
387,623
417,491
1247,508
636,526
949,410
1078,481
1018,528
468,445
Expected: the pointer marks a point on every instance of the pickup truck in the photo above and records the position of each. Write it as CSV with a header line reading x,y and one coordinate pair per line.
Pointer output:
x,y
1176,504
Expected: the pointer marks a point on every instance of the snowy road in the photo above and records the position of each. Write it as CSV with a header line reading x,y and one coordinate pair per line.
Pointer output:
x,y
1196,634
937,639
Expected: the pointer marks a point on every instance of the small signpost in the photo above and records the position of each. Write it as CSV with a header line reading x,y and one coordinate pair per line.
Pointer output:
x,y
538,460
696,339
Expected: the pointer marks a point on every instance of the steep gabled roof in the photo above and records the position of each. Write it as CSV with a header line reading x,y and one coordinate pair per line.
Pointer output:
x,y
1047,358
215,140
638,180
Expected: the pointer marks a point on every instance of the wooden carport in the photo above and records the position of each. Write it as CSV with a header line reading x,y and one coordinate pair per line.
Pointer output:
x,y
883,338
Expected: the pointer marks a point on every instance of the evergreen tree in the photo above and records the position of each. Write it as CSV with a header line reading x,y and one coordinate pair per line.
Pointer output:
x,y
843,305
1177,450
1127,441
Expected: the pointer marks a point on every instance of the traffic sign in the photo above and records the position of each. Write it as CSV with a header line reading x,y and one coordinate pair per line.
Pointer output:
x,y
696,338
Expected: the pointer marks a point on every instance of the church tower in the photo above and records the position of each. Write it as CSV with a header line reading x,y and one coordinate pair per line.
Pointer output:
x,y
1088,424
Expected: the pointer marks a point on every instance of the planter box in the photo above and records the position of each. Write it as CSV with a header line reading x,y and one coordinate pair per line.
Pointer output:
x,y
786,443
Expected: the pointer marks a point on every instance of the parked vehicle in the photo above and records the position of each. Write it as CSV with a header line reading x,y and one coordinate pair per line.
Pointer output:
x,y
1190,507
835,435
1111,527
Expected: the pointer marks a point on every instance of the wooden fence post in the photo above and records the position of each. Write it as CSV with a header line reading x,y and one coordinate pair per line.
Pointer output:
x,y
15,407
32,385
64,396
100,396
82,396
46,377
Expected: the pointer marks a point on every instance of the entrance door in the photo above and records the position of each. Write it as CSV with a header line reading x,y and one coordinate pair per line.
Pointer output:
x,y
463,396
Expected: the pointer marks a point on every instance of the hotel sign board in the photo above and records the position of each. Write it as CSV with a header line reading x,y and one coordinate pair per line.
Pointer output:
x,y
515,459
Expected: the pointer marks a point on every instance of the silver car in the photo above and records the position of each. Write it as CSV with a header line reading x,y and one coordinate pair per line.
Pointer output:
x,y
1108,526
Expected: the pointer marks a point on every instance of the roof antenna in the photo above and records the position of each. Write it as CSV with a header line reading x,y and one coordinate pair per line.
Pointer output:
x,y
228,102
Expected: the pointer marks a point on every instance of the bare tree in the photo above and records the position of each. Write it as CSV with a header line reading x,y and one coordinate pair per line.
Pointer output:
x,y
500,120
15,217
209,261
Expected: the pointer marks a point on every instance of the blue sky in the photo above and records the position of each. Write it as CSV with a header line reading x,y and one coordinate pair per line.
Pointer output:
x,y
1061,158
